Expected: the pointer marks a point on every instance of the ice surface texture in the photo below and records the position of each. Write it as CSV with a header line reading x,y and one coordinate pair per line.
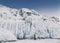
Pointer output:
x,y
6,35
28,23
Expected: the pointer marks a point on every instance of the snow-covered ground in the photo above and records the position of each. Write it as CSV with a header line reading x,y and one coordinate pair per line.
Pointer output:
x,y
37,41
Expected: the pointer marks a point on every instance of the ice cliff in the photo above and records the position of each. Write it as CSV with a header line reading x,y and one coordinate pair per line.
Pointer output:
x,y
25,23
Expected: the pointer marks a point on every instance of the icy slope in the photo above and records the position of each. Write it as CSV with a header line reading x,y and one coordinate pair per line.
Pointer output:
x,y
25,23
6,35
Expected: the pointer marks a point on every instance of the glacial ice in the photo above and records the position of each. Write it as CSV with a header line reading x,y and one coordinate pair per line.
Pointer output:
x,y
6,35
24,23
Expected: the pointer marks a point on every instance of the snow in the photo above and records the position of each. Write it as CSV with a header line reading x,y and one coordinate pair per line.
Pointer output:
x,y
24,23
6,35
37,41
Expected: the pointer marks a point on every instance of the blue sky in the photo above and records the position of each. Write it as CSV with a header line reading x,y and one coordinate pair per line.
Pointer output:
x,y
30,3
45,7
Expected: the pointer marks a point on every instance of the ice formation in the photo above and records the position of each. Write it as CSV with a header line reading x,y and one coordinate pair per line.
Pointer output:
x,y
6,35
24,23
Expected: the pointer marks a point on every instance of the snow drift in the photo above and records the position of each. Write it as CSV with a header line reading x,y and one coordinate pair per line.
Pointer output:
x,y
24,23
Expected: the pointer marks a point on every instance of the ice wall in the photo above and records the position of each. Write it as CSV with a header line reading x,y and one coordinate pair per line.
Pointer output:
x,y
25,23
